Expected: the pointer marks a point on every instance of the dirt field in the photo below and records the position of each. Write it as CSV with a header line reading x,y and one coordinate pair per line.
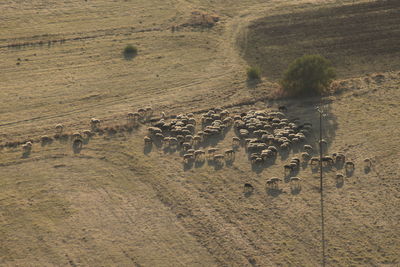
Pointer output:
x,y
114,205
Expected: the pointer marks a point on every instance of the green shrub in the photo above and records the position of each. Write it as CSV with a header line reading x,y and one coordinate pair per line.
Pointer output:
x,y
130,51
308,75
254,73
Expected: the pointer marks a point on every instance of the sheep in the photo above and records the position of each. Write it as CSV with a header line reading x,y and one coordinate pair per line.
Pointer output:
x,y
87,133
59,128
349,166
187,158
27,147
295,183
282,109
340,158
77,144
199,155
186,146
287,169
248,188
327,161
235,142
339,177
180,138
230,154
76,135
218,159
147,141
142,112
273,149
211,152
188,138
314,161
162,115
196,140
148,111
173,141
367,164
45,139
305,156
273,183
308,148
95,123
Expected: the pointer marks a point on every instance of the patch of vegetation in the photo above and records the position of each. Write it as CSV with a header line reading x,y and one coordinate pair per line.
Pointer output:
x,y
253,73
130,51
308,75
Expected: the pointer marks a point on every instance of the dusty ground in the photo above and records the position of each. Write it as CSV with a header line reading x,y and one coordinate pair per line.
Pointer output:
x,y
113,205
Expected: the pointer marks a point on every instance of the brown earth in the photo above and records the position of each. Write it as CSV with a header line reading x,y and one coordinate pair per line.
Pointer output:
x,y
113,205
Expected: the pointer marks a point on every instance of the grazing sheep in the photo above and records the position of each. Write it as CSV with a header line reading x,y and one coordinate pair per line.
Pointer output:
x,y
186,146
95,123
273,149
308,148
77,144
163,116
59,128
282,109
327,161
339,176
287,169
27,147
248,188
367,164
230,154
218,159
235,142
148,111
46,139
349,166
211,152
87,133
147,141
187,158
199,155
305,156
314,161
76,135
142,112
340,158
188,138
295,183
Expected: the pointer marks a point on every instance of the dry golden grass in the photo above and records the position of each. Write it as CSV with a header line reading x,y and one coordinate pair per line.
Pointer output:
x,y
113,205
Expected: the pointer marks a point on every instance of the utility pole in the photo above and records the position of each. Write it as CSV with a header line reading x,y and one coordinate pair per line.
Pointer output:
x,y
320,111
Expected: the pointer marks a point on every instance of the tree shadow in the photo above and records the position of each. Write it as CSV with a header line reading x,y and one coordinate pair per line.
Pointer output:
x,y
253,83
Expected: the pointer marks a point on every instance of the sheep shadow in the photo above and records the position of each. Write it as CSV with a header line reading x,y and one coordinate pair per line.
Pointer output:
x,y
367,170
284,155
26,154
86,140
199,164
349,173
187,166
339,183
46,142
76,149
295,190
274,192
147,149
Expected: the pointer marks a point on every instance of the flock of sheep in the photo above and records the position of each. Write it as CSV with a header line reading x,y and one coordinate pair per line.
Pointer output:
x,y
263,134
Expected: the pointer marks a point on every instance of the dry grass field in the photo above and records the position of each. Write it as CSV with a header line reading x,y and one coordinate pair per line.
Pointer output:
x,y
114,204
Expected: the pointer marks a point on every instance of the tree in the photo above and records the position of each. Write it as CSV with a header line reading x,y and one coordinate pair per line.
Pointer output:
x,y
308,75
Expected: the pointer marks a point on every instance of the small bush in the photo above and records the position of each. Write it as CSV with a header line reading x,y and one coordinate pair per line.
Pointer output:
x,y
254,73
130,51
308,75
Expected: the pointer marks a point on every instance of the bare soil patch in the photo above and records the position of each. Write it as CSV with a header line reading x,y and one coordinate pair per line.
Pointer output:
x,y
358,39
